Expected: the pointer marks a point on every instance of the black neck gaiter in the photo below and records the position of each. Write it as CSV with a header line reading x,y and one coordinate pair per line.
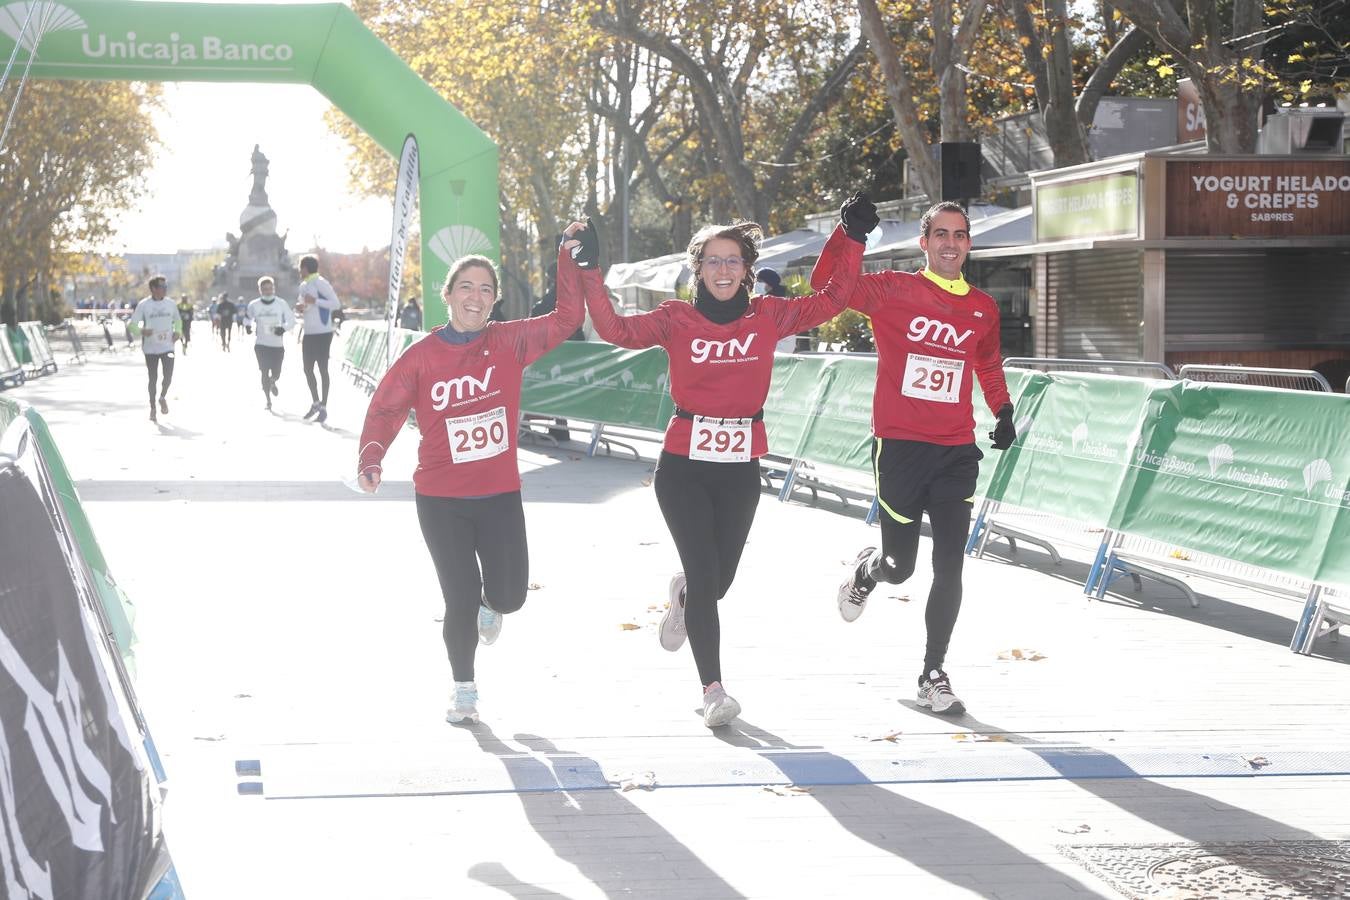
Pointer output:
x,y
721,311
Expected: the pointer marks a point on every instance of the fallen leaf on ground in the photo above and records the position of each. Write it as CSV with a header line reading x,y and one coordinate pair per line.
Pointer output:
x,y
648,543
1256,762
243,696
892,737
904,598
573,458
629,626
646,482
641,781
1018,653
1179,554
214,737
1077,829
980,738
535,586
787,790
653,608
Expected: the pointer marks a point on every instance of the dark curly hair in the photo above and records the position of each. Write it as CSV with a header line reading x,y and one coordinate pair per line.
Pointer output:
x,y
746,234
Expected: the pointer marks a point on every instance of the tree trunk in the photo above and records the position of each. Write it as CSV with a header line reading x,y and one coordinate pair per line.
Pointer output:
x,y
900,95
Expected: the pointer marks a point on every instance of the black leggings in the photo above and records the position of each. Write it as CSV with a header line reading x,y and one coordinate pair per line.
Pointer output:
x,y
708,507
269,364
152,363
460,534
314,351
912,478
226,328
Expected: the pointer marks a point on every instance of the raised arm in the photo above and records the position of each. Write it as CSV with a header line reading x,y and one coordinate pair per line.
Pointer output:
x,y
857,217
541,334
830,298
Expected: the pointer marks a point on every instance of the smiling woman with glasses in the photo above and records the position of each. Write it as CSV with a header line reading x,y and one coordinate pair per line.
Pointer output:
x,y
721,350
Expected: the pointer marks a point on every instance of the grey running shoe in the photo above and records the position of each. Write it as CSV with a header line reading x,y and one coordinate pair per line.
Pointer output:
x,y
671,632
313,410
718,707
163,405
935,692
489,625
463,702
322,415
852,597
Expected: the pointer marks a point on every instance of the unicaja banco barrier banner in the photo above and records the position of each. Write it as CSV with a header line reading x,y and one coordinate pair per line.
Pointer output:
x,y
1253,474
324,45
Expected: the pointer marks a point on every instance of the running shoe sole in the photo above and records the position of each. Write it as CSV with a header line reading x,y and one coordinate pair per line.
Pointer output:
x,y
723,714
454,717
673,640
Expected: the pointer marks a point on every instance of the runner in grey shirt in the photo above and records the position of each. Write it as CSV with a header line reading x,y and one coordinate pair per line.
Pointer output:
x,y
157,323
271,319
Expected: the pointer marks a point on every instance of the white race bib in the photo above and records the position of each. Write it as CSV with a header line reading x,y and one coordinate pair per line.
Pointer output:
x,y
478,436
933,378
717,441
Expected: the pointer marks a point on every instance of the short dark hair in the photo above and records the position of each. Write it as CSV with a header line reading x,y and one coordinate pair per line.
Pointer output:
x,y
309,264
926,223
746,234
157,281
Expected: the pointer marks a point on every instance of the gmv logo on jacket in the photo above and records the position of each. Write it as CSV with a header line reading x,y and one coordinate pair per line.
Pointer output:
x,y
922,328
730,350
465,385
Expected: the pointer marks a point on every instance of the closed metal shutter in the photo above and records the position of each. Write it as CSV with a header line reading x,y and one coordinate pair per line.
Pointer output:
x,y
1257,299
1095,304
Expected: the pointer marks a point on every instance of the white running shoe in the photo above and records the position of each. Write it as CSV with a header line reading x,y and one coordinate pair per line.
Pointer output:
x,y
935,692
671,632
463,702
489,625
852,597
719,708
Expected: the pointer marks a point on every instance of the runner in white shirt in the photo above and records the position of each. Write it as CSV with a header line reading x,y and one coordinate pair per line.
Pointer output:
x,y
157,323
271,318
317,304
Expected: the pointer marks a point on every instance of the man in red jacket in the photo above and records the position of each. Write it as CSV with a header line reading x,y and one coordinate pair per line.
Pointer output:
x,y
935,334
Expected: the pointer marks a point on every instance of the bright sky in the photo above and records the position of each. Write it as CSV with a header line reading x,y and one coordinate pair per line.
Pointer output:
x,y
201,179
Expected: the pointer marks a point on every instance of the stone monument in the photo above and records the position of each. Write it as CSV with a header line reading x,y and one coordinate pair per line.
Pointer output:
x,y
258,250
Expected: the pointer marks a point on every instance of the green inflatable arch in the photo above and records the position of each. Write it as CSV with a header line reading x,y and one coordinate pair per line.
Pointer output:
x,y
324,45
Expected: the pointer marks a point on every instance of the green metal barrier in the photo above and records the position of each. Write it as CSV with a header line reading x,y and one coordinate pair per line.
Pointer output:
x,y
42,359
11,370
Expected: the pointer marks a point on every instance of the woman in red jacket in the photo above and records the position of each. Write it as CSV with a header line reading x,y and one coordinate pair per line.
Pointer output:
x,y
721,359
463,381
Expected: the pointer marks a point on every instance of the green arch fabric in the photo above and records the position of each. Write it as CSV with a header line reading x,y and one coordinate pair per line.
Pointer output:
x,y
324,45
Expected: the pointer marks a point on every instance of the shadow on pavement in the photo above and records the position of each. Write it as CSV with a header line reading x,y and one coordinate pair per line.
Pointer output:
x,y
612,843
1231,616
1183,813
942,844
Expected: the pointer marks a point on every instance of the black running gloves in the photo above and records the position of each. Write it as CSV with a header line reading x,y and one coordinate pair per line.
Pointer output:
x,y
1004,432
859,216
586,254
278,330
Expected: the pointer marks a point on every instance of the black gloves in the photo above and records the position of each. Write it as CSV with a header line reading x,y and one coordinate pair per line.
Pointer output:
x,y
586,254
858,215
1004,433
278,330
248,329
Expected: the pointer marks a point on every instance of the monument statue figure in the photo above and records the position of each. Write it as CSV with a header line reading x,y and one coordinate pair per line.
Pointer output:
x,y
258,196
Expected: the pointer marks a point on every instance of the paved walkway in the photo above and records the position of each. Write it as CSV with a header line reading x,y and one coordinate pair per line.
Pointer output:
x,y
295,623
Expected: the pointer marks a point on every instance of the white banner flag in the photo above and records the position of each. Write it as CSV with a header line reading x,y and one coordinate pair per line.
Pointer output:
x,y
405,198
